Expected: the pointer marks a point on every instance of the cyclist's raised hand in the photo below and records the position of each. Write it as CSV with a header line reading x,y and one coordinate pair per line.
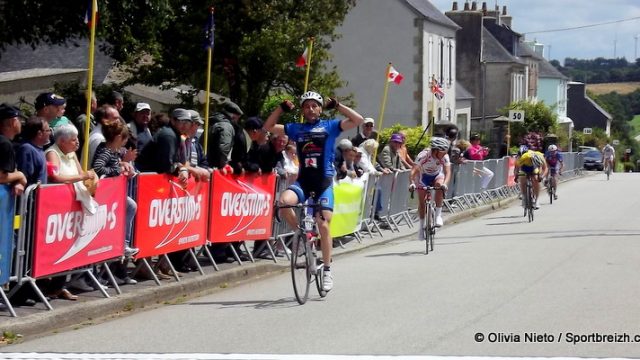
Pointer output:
x,y
287,106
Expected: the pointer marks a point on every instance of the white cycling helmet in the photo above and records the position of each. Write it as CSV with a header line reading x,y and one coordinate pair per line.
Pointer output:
x,y
311,95
537,160
553,148
439,143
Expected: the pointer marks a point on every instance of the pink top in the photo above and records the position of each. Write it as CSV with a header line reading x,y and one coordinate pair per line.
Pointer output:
x,y
477,152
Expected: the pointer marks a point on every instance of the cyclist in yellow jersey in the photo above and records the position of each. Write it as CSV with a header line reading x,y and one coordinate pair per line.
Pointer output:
x,y
530,162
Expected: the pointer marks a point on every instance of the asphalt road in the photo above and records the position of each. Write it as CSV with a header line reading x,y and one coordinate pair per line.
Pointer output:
x,y
495,285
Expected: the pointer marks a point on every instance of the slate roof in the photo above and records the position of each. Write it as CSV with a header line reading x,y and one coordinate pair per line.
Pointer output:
x,y
494,52
72,55
462,93
432,13
546,70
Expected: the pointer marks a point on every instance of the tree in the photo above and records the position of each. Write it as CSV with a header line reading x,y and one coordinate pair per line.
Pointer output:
x,y
256,41
538,118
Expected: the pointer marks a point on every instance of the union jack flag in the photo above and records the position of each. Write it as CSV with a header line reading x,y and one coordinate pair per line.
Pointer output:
x,y
436,89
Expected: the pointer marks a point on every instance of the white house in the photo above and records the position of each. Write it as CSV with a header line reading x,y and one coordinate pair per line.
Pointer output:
x,y
418,40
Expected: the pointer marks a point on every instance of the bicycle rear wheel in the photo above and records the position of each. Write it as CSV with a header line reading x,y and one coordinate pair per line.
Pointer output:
x,y
530,200
300,271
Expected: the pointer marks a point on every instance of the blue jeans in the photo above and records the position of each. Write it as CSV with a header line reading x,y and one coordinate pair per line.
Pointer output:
x,y
132,208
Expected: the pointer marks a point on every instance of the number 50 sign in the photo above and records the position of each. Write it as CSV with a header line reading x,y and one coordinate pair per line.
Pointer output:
x,y
516,115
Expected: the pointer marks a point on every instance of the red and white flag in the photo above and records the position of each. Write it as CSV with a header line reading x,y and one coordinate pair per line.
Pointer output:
x,y
302,60
88,14
394,76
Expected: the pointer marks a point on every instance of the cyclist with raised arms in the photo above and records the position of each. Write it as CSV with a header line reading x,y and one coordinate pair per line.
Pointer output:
x,y
530,162
315,141
608,157
432,168
555,164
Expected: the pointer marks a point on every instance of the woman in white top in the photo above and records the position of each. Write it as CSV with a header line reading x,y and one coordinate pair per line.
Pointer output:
x,y
62,164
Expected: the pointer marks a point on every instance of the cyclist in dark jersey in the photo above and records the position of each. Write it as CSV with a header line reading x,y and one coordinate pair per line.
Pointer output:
x,y
316,142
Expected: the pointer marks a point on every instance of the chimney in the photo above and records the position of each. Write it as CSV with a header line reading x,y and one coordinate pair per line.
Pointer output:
x,y
466,6
474,6
505,19
455,6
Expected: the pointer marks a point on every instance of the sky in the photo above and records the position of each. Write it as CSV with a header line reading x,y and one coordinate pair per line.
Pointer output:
x,y
608,41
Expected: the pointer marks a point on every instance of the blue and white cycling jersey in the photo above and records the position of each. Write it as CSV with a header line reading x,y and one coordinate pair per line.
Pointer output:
x,y
316,144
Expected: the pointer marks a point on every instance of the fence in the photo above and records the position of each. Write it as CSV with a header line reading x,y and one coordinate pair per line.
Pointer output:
x,y
58,236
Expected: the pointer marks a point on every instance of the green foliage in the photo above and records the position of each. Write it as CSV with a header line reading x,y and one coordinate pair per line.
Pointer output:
x,y
256,42
599,70
273,102
622,109
412,135
538,118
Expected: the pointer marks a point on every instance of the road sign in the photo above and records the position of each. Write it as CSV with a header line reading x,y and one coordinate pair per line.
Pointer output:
x,y
516,115
616,142
587,131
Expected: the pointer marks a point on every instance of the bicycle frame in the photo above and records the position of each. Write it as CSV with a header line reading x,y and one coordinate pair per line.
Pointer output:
x,y
304,245
429,229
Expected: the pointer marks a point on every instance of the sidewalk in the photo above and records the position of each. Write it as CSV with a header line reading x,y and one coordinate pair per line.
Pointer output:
x,y
92,307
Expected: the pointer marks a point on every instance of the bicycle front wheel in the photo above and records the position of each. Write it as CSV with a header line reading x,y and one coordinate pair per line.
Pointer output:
x,y
320,279
429,225
300,271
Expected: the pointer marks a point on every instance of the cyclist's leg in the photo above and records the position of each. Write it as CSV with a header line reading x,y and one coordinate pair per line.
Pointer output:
x,y
522,182
421,211
292,196
536,186
326,201
437,182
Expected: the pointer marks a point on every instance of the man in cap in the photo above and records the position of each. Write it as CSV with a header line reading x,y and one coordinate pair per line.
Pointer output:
x,y
198,165
48,106
10,126
224,130
167,153
316,142
389,157
366,133
139,127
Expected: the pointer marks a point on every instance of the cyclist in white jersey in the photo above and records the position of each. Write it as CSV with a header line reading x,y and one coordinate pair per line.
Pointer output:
x,y
608,156
432,168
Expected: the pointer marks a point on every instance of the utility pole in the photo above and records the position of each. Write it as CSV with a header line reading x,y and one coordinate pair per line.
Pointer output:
x,y
636,49
549,55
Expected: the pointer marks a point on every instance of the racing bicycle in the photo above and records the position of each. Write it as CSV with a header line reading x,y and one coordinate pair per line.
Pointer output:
x,y
429,229
306,265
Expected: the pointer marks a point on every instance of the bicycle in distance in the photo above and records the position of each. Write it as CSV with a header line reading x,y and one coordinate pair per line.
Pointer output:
x,y
429,228
552,183
306,266
607,168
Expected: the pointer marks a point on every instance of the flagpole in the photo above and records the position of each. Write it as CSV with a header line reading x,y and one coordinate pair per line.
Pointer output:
x,y
85,148
433,110
306,76
208,91
382,105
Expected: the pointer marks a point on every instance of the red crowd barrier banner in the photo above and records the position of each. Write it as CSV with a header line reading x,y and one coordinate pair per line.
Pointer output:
x,y
67,237
170,217
241,207
510,173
